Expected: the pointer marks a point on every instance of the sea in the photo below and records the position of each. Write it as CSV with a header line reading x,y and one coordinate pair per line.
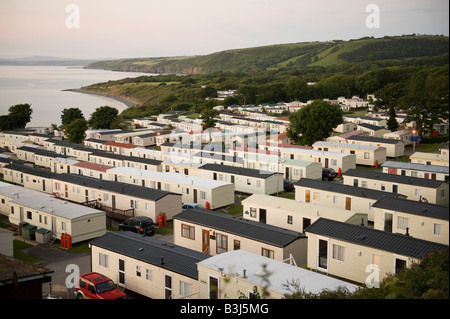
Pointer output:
x,y
43,87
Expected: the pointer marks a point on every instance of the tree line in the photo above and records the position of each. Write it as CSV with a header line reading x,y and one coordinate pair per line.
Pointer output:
x,y
73,121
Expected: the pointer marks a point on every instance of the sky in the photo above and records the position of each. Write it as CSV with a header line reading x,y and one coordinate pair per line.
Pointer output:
x,y
99,29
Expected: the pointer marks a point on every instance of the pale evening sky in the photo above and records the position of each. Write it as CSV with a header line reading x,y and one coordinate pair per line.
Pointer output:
x,y
153,28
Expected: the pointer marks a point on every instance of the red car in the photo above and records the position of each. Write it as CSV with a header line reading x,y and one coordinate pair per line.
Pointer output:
x,y
97,286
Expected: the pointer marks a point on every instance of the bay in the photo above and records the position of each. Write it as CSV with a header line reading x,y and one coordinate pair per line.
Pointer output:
x,y
43,87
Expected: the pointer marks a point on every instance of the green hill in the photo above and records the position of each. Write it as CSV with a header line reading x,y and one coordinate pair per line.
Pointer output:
x,y
286,56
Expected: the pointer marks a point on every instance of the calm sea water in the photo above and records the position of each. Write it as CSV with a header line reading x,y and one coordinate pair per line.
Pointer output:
x,y
41,86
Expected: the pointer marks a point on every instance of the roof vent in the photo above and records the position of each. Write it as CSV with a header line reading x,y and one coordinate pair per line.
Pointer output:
x,y
362,237
162,260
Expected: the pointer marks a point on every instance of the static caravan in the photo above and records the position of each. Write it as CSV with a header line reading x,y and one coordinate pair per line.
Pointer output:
x,y
215,233
52,214
90,169
292,214
119,200
118,148
217,158
429,158
351,198
295,170
62,165
116,160
239,274
368,155
146,265
394,148
401,135
29,177
357,253
208,193
373,130
245,180
420,220
414,188
37,156
95,144
332,160
436,172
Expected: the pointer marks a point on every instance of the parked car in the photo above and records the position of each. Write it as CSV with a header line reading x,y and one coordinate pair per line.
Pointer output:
x,y
140,224
187,206
328,174
97,286
288,185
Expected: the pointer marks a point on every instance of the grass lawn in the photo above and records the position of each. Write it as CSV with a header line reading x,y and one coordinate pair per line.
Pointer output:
x,y
19,246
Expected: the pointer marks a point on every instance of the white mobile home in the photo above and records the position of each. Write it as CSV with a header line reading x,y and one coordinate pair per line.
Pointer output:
x,y
351,198
332,160
414,188
146,265
55,215
420,220
208,193
245,180
440,173
294,215
370,155
394,148
215,233
239,274
354,252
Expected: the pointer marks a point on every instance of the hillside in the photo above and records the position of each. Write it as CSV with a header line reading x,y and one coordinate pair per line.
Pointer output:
x,y
287,56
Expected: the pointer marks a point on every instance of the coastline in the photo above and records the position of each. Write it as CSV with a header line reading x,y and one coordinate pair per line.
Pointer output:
x,y
125,101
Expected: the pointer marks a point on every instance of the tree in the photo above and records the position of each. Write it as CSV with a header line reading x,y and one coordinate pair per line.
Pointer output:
x,y
247,94
76,130
426,100
297,90
208,117
18,116
71,114
314,122
103,117
388,98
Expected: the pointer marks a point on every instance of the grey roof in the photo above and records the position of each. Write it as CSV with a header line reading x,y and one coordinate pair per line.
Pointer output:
x,y
413,207
430,183
370,237
30,170
375,139
345,189
416,167
219,156
269,234
237,170
371,127
117,187
40,151
120,157
150,250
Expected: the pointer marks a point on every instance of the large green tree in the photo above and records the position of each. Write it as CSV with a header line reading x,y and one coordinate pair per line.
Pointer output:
x,y
75,131
388,98
18,116
314,122
71,114
426,100
103,117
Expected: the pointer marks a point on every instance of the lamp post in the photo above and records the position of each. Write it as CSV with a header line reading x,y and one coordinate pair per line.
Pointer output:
x,y
414,141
